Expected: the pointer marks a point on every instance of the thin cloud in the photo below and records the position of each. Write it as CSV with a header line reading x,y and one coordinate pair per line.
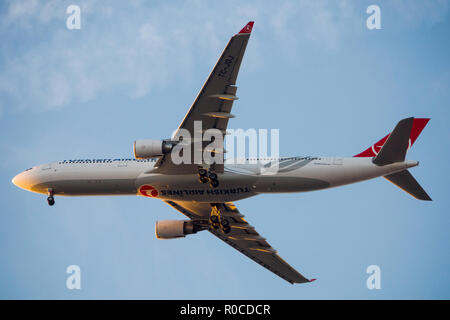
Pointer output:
x,y
137,47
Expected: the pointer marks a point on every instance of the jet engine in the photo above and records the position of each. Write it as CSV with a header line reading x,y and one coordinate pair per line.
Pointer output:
x,y
144,149
171,229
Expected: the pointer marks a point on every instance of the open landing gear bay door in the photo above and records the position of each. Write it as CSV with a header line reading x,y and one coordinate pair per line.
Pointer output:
x,y
212,106
242,236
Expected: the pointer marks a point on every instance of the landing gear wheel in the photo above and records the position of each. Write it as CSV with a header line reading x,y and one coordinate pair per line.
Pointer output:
x,y
51,201
203,179
226,229
214,183
203,175
214,219
225,222
212,176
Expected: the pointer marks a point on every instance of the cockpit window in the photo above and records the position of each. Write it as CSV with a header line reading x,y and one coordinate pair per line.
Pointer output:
x,y
28,169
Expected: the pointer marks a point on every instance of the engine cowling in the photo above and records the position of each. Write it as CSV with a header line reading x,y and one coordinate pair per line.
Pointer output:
x,y
144,149
171,229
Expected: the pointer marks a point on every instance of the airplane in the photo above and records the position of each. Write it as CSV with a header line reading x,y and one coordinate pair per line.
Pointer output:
x,y
204,192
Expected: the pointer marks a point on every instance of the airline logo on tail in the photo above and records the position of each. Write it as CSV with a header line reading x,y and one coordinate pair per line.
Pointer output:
x,y
417,127
377,146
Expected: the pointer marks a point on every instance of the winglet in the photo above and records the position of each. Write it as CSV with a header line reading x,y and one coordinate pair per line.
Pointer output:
x,y
248,28
312,280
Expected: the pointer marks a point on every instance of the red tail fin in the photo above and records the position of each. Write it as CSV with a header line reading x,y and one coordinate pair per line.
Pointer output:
x,y
248,27
417,127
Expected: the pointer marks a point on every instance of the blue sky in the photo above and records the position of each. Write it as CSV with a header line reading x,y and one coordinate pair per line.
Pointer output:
x,y
312,69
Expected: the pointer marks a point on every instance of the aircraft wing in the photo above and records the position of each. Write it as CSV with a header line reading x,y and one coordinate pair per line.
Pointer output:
x,y
243,237
212,106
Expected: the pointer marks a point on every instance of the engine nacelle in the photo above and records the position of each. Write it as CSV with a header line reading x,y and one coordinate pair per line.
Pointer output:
x,y
171,229
144,149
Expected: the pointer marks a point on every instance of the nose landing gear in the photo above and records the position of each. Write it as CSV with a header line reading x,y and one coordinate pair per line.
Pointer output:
x,y
50,198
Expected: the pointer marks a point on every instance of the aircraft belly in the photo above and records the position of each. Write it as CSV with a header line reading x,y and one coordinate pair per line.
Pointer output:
x,y
326,174
82,179
351,171
187,187
281,183
73,187
321,174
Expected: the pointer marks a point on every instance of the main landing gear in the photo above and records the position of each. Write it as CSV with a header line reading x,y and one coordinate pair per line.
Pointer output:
x,y
217,221
205,176
50,198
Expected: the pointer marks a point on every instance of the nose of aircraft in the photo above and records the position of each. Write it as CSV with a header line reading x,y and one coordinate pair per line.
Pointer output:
x,y
19,180
23,180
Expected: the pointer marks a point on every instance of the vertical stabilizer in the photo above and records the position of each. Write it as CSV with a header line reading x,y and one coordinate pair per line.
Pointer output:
x,y
417,127
395,147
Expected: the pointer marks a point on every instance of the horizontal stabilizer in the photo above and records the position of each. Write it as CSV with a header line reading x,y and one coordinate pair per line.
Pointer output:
x,y
404,180
395,147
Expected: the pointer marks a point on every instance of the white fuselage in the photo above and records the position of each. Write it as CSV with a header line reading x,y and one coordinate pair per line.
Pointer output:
x,y
238,181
